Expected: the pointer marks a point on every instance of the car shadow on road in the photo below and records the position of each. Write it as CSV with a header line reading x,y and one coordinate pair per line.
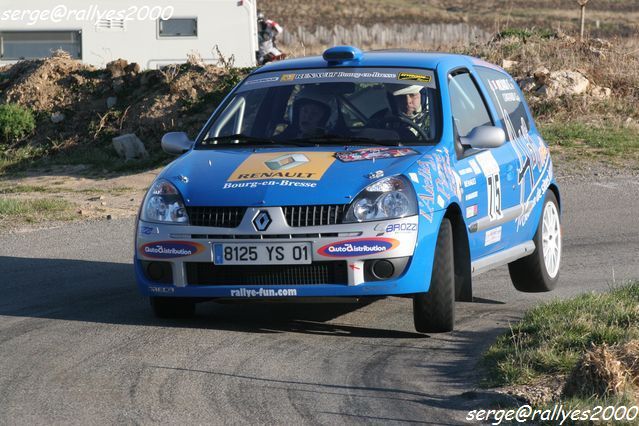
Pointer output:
x,y
105,293
448,365
102,292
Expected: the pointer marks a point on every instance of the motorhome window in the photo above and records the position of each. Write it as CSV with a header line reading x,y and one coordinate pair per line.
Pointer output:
x,y
178,27
17,45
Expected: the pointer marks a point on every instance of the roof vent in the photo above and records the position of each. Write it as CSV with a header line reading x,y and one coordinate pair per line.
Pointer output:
x,y
339,54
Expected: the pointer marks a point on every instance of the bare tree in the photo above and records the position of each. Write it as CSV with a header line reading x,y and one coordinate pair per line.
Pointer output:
x,y
582,3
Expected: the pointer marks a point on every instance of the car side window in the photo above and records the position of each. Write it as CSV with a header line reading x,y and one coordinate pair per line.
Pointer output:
x,y
467,105
241,115
507,100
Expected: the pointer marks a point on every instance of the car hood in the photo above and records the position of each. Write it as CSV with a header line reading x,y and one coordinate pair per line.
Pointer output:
x,y
275,177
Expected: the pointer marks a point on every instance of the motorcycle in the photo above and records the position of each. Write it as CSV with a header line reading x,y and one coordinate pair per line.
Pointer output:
x,y
274,54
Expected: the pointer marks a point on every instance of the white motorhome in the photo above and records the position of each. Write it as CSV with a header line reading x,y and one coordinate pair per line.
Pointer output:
x,y
154,34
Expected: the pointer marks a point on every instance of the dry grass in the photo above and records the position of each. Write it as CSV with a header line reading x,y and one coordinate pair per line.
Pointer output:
x,y
584,350
608,64
16,211
303,42
601,372
606,372
616,17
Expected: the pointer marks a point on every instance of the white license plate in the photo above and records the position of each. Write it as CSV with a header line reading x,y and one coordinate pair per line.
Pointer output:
x,y
262,253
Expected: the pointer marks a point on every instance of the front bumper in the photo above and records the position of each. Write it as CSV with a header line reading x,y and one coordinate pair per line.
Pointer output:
x,y
412,261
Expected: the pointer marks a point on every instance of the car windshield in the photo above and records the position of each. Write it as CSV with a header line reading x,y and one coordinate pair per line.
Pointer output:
x,y
319,107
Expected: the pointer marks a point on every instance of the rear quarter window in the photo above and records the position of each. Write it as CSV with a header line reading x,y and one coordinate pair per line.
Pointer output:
x,y
507,99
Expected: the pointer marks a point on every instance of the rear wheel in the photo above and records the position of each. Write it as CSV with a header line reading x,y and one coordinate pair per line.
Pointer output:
x,y
434,311
168,307
539,271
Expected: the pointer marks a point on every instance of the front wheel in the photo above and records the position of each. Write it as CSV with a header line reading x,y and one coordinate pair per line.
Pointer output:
x,y
434,311
539,271
169,307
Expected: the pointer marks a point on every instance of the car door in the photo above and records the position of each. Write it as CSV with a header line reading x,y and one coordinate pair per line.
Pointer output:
x,y
483,172
529,167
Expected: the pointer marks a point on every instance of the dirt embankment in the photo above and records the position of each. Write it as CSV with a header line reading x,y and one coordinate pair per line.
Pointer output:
x,y
79,110
78,105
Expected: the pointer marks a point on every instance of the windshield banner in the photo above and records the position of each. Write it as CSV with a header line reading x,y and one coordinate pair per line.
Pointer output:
x,y
420,77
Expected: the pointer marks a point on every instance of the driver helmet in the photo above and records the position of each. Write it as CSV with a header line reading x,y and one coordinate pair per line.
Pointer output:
x,y
402,89
260,17
322,98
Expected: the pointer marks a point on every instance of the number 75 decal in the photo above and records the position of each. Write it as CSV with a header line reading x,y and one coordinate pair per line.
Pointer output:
x,y
490,168
493,187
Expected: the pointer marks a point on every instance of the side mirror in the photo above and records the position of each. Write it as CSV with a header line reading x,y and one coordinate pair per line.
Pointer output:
x,y
176,143
483,137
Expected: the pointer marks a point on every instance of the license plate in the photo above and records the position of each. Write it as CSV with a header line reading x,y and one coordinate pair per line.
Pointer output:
x,y
262,253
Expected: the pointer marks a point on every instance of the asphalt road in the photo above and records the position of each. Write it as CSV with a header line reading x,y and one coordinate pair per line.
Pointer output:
x,y
79,346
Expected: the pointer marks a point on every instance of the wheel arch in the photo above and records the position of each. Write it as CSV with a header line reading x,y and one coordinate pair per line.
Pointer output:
x,y
555,190
461,253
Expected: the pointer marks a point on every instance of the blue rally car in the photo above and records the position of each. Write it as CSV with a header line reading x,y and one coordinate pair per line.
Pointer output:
x,y
353,175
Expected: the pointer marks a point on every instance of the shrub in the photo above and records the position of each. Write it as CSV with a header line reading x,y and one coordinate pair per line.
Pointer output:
x,y
16,123
524,33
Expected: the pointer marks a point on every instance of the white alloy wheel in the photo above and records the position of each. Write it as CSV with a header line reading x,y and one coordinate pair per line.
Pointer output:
x,y
551,239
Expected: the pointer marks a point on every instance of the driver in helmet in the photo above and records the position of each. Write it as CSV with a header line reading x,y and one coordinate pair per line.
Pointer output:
x,y
408,101
312,111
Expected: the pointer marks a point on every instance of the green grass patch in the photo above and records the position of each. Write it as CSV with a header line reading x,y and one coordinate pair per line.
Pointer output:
x,y
13,210
98,158
612,141
27,189
23,189
16,122
104,158
116,190
551,338
20,158
525,33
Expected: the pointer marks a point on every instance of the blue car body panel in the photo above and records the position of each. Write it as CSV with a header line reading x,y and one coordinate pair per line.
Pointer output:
x,y
208,173
516,174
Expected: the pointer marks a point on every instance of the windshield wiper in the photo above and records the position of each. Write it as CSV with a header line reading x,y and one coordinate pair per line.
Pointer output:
x,y
345,140
238,137
252,140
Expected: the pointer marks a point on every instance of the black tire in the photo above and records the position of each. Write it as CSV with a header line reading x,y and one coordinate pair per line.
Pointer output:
x,y
434,311
168,307
529,274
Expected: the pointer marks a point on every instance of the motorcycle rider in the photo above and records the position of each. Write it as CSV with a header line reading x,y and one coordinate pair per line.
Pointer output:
x,y
268,30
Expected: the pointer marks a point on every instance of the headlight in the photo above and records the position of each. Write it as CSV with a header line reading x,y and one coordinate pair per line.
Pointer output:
x,y
389,198
163,203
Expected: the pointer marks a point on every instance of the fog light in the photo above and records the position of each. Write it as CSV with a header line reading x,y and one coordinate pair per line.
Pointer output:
x,y
159,272
382,269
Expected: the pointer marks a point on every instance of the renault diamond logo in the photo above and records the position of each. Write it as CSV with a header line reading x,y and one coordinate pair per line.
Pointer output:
x,y
286,162
262,221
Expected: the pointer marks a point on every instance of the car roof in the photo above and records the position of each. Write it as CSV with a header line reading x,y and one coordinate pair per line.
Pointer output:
x,y
382,58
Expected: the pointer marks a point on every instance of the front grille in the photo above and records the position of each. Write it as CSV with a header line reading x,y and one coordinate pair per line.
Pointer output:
x,y
297,216
331,272
219,217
